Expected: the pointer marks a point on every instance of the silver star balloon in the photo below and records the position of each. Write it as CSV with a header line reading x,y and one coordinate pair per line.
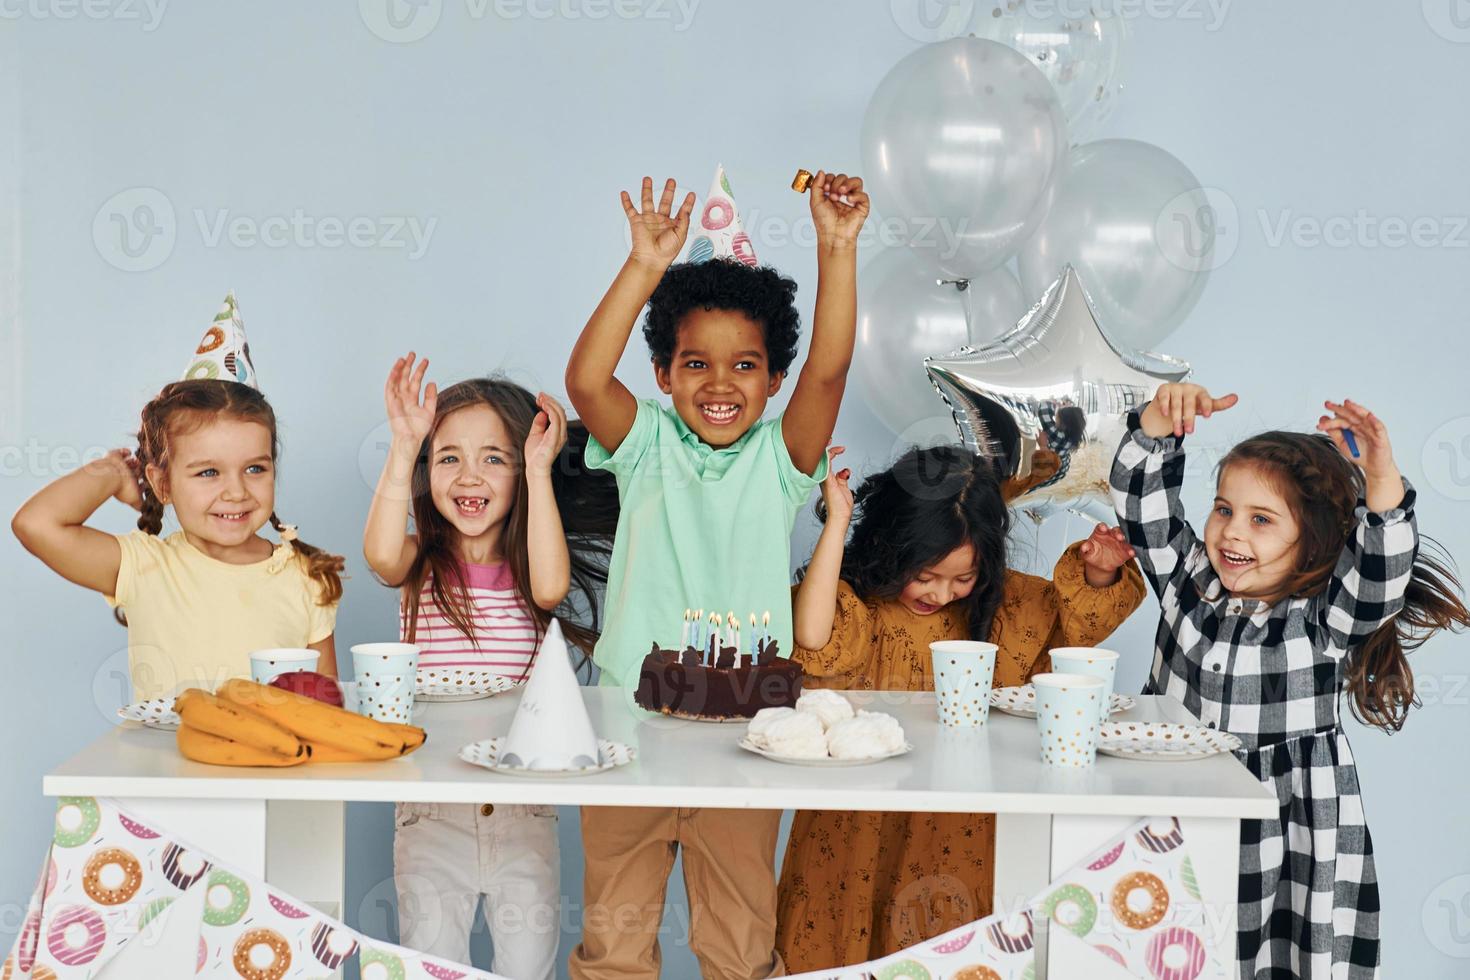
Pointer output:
x,y
1057,381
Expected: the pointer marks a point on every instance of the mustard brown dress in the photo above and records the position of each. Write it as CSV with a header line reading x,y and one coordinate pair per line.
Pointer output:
x,y
859,885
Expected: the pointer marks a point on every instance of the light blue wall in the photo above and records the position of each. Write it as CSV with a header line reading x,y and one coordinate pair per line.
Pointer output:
x,y
514,132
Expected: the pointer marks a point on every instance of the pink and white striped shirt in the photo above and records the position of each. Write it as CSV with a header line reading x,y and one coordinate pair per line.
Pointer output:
x,y
502,624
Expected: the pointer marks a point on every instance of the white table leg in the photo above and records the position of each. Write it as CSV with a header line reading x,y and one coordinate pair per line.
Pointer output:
x,y
1023,868
231,829
298,846
1214,849
306,852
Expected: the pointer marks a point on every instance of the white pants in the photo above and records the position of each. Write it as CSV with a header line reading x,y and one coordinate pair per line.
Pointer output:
x,y
446,855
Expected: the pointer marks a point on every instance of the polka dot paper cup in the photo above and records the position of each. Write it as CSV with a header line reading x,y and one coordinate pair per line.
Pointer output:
x,y
267,665
963,670
1067,716
1094,662
385,674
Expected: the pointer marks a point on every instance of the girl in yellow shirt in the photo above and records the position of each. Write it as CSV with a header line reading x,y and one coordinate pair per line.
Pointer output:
x,y
200,600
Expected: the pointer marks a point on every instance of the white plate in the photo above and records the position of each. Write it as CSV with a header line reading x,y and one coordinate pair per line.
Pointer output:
x,y
792,760
154,713
459,684
1163,741
1021,701
486,754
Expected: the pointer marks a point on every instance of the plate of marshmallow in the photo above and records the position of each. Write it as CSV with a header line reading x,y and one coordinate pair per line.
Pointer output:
x,y
824,730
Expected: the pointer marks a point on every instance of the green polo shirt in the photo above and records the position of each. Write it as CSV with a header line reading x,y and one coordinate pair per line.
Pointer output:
x,y
700,527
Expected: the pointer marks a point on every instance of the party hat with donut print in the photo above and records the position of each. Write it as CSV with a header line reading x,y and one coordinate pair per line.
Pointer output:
x,y
718,233
224,353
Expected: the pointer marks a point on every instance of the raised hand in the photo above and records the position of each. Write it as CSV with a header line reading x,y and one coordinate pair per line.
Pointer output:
x,y
1175,407
1106,551
836,496
1374,454
409,417
548,434
129,473
836,222
658,232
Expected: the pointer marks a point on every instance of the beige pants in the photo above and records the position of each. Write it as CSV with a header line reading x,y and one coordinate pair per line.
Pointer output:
x,y
729,872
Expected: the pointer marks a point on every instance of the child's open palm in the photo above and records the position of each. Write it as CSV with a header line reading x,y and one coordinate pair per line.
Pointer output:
x,y
409,417
1106,550
658,232
548,434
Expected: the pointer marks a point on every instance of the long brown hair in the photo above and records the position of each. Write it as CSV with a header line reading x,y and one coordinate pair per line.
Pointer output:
x,y
184,405
1323,489
587,501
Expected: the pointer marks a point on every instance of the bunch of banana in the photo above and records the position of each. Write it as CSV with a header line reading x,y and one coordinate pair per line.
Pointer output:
x,y
249,724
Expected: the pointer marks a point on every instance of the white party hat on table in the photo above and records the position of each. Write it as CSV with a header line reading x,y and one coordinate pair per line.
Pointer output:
x,y
551,729
718,233
224,353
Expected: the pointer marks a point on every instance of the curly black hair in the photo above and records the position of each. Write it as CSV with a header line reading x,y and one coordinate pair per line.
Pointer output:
x,y
759,292
910,516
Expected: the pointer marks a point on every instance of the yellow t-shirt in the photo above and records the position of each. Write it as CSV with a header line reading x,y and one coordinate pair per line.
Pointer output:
x,y
193,620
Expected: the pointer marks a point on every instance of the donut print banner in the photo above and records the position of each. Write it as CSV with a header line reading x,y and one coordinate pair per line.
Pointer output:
x,y
110,886
716,228
1136,901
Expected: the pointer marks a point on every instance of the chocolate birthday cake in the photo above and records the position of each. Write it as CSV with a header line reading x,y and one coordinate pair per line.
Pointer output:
x,y
689,683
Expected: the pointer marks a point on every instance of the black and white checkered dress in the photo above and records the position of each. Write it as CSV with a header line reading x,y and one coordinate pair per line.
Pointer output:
x,y
1273,676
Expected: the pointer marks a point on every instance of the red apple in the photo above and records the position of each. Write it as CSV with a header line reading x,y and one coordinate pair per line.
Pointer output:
x,y
312,685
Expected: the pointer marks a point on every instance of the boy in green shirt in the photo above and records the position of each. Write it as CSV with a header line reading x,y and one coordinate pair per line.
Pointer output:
x,y
709,494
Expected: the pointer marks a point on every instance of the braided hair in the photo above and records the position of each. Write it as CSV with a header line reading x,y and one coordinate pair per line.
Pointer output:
x,y
183,405
1322,491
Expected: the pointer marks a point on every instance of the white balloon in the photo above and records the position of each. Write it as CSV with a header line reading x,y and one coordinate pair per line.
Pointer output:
x,y
904,316
1134,222
963,140
1079,52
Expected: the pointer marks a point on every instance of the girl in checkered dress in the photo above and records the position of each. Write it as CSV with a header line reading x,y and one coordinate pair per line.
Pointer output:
x,y
1307,583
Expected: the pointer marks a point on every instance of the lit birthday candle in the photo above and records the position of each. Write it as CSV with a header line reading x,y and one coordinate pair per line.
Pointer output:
x,y
698,636
752,651
732,631
684,636
766,628
714,637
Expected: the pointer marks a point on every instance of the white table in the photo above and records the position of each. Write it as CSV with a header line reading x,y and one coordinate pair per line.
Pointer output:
x,y
286,825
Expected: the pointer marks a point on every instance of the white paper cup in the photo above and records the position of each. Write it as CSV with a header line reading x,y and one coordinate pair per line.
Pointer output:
x,y
1092,661
963,670
385,674
267,665
1067,718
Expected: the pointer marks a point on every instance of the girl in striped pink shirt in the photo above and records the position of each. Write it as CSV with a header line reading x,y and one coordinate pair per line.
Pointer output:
x,y
481,468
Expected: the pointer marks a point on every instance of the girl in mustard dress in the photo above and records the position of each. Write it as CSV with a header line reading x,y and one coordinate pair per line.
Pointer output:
x,y
927,560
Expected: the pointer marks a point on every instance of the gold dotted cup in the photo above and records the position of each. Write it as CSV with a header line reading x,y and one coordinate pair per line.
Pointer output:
x,y
963,670
385,674
1094,662
1067,716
